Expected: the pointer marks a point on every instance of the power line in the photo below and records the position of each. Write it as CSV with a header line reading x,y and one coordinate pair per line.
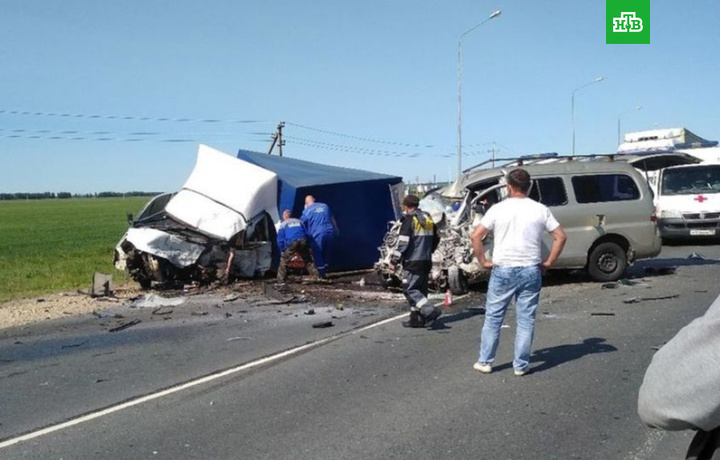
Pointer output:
x,y
348,149
126,117
330,146
341,147
358,138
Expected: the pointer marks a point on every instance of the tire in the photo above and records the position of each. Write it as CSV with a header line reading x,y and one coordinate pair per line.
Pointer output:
x,y
607,262
457,281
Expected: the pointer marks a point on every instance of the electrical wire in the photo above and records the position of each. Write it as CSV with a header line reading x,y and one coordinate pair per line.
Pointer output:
x,y
141,136
126,117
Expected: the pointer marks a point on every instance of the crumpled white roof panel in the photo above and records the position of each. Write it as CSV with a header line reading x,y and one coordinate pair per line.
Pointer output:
x,y
223,193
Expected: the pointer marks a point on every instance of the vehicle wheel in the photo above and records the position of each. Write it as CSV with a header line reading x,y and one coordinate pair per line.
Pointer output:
x,y
607,262
457,280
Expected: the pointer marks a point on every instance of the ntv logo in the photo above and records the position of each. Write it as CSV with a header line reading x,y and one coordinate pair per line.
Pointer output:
x,y
627,16
627,22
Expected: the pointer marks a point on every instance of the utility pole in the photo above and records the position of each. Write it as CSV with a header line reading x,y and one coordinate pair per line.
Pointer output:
x,y
492,152
277,139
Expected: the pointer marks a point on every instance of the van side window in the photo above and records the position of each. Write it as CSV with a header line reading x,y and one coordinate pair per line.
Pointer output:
x,y
605,187
549,191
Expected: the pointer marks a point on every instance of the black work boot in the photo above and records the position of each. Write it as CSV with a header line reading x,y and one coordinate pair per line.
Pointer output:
x,y
415,320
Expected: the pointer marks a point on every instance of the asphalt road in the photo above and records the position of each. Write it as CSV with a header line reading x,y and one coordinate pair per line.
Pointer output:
x,y
378,393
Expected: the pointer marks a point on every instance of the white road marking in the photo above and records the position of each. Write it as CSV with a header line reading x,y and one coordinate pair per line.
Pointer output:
x,y
185,386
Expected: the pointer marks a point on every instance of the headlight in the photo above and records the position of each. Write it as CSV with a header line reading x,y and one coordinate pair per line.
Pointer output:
x,y
665,213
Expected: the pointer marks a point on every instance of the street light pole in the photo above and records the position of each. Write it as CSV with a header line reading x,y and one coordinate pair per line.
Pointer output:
x,y
597,80
459,127
639,107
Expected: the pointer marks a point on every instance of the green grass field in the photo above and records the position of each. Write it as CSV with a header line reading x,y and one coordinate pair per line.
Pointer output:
x,y
53,245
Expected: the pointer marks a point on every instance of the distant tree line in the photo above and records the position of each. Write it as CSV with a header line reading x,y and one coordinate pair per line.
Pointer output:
x,y
66,195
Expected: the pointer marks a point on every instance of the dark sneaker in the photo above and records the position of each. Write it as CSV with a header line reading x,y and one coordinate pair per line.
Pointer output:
x,y
415,321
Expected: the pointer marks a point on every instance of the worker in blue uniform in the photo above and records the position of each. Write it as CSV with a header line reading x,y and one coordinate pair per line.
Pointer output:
x,y
291,240
322,230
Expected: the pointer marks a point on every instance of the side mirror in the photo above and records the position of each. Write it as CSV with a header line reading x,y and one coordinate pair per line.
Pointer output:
x,y
130,219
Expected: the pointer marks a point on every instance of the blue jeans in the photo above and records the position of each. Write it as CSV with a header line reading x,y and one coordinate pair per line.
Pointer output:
x,y
507,283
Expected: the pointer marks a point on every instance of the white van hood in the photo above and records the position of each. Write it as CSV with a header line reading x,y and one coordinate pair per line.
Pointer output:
x,y
223,193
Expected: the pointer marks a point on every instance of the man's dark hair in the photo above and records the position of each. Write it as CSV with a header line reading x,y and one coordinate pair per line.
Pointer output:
x,y
411,201
519,179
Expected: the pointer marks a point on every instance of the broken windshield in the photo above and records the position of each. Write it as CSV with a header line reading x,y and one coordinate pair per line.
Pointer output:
x,y
688,181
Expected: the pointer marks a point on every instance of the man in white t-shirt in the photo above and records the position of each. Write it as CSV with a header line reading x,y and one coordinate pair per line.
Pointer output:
x,y
518,224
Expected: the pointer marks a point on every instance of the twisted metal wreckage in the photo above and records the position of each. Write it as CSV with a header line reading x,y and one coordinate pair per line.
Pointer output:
x,y
187,236
454,265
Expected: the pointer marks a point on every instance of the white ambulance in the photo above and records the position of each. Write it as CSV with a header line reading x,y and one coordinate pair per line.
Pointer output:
x,y
687,201
685,178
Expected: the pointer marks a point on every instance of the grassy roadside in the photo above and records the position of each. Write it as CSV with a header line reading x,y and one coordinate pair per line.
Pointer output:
x,y
54,245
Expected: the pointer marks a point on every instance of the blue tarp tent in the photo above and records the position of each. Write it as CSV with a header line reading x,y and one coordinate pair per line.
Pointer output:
x,y
361,202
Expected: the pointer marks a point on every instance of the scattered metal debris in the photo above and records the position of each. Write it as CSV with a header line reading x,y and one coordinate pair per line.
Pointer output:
x,y
73,345
619,283
107,299
162,311
323,324
233,339
602,313
696,256
199,313
641,299
231,297
310,312
275,294
156,301
125,326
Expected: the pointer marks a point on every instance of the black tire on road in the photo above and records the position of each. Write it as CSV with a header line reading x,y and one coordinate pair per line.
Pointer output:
x,y
457,281
607,262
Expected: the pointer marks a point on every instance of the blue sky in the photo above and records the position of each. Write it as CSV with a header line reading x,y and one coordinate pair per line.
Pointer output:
x,y
381,75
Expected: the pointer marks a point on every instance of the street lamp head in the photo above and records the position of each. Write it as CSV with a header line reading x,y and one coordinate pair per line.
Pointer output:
x,y
600,79
638,107
495,14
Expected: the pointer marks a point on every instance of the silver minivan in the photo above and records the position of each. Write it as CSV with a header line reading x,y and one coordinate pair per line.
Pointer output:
x,y
605,207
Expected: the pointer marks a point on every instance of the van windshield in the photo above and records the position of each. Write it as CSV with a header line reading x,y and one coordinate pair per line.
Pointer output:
x,y
689,181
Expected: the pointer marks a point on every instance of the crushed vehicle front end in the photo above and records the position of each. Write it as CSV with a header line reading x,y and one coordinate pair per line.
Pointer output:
x,y
188,237
454,264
